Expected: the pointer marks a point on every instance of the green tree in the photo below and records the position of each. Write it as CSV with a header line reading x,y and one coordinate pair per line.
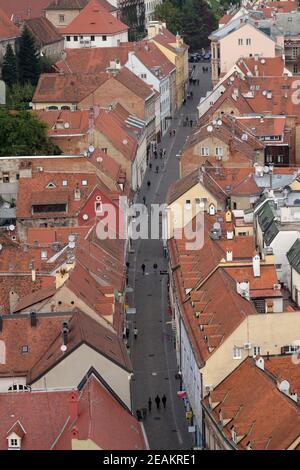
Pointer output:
x,y
28,59
22,133
171,14
19,96
9,67
198,22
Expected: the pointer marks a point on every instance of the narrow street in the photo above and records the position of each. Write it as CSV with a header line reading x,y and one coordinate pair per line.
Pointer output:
x,y
152,352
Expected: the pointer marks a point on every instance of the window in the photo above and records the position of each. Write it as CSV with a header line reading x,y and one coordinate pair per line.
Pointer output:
x,y
24,349
256,350
92,38
280,158
248,42
240,42
219,151
237,353
188,204
104,38
143,75
204,151
61,18
278,266
75,38
233,435
269,158
104,149
98,207
43,208
295,68
68,38
84,182
13,443
5,178
65,182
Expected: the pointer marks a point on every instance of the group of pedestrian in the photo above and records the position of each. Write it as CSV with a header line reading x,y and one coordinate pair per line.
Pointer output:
x,y
188,122
172,132
157,401
143,267
194,81
204,69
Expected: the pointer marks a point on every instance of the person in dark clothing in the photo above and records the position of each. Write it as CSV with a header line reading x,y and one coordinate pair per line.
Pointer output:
x,y
143,268
150,166
149,404
161,153
155,267
174,132
157,168
192,94
157,401
191,122
170,133
155,154
164,400
148,184
144,200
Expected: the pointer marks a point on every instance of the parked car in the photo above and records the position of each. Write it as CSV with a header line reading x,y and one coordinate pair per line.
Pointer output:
x,y
207,56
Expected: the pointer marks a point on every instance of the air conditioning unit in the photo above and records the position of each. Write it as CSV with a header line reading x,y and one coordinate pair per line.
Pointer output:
x,y
247,345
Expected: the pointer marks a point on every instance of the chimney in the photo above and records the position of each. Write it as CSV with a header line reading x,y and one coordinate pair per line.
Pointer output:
x,y
229,255
65,331
77,194
33,319
260,363
256,265
33,275
73,407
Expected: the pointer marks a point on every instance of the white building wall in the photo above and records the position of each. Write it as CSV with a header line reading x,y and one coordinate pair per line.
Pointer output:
x,y
160,85
139,165
149,9
101,40
281,245
295,287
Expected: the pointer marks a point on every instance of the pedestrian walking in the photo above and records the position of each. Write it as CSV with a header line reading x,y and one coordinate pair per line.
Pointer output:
x,y
135,332
161,153
155,267
164,400
174,132
144,200
170,133
155,153
150,166
192,94
187,119
157,401
148,184
127,333
149,404
198,81
157,168
143,268
164,152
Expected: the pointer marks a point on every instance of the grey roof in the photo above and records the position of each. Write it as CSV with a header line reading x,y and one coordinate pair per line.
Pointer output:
x,y
271,233
7,212
288,23
293,255
266,215
266,27
279,180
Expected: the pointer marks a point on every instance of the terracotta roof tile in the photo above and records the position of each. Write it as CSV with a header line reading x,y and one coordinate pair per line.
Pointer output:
x,y
94,19
266,418
7,28
43,31
21,9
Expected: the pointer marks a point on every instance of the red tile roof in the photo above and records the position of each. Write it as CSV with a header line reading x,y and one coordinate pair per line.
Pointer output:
x,y
42,415
262,286
96,59
65,122
82,330
43,31
262,67
263,127
261,415
226,18
103,420
283,368
168,39
94,19
40,194
151,56
21,9
45,237
7,28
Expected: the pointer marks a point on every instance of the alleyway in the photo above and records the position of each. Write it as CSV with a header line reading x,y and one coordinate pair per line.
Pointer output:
x,y
153,353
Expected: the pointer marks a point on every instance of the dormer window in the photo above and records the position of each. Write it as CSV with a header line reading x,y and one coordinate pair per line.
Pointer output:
x,y
84,182
14,443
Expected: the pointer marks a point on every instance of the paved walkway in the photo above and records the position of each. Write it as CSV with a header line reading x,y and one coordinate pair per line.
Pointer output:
x,y
153,352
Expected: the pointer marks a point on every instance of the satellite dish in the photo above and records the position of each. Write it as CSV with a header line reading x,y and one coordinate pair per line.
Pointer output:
x,y
66,125
232,78
219,122
99,159
11,227
125,141
71,245
210,129
85,217
216,226
85,153
266,169
63,348
214,122
91,148
71,238
264,92
262,61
